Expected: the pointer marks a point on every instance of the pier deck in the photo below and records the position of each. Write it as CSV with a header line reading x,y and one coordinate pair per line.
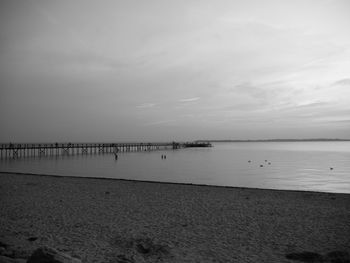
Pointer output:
x,y
19,150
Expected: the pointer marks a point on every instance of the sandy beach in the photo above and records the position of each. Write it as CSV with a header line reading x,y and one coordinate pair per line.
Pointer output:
x,y
105,220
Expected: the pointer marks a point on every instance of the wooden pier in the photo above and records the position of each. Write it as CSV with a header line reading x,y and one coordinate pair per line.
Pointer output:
x,y
20,150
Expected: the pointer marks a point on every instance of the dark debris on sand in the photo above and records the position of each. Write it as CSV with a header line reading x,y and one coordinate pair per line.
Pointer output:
x,y
312,257
141,248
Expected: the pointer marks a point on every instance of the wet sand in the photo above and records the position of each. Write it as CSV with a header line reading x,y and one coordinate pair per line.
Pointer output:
x,y
106,220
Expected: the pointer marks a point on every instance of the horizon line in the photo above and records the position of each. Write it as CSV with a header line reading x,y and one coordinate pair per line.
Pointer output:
x,y
198,140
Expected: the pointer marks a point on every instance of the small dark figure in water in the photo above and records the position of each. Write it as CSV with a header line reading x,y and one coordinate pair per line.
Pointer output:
x,y
261,165
249,161
164,156
331,168
265,161
116,156
269,163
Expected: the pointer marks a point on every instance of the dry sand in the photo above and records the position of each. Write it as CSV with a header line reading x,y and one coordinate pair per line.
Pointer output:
x,y
103,220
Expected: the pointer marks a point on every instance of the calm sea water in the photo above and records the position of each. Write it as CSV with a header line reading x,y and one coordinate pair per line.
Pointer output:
x,y
294,165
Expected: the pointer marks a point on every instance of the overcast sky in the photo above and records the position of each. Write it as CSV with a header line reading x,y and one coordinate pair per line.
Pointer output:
x,y
163,70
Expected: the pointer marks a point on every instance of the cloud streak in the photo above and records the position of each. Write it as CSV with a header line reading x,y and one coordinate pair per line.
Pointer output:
x,y
160,123
146,105
189,99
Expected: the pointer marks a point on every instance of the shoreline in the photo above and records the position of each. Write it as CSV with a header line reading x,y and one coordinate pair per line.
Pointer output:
x,y
171,183
119,220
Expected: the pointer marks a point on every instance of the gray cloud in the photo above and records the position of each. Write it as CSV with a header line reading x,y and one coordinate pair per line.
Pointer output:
x,y
183,68
343,82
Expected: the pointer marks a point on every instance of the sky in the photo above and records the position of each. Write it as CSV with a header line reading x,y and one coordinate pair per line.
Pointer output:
x,y
161,70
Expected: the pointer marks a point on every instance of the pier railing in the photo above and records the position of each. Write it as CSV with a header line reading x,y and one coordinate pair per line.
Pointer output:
x,y
18,150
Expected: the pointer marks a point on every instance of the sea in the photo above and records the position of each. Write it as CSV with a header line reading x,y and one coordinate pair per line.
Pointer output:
x,y
322,166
